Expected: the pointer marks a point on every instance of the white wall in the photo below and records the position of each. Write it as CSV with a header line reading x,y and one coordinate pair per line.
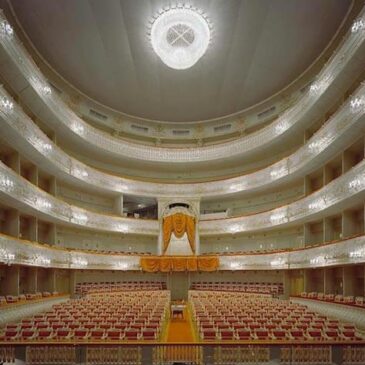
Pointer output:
x,y
289,238
119,242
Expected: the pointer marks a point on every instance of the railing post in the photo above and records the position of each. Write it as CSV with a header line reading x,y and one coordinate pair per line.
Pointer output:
x,y
208,355
337,355
147,358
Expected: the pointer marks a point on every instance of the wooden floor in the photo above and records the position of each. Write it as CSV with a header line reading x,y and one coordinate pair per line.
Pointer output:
x,y
180,329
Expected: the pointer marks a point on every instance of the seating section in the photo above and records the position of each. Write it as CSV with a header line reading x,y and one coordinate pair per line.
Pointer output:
x,y
133,315
22,298
115,286
336,298
264,288
239,316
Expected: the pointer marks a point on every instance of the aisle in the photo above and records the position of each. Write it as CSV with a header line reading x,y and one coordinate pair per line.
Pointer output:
x,y
180,330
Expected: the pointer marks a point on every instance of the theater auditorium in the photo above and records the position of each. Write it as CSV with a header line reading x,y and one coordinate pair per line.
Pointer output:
x,y
182,182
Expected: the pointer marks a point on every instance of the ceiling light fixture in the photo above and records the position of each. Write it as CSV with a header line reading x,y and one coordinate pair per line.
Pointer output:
x,y
180,36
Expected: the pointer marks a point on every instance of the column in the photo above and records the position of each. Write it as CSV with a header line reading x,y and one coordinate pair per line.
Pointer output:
x,y
347,224
12,223
118,205
327,229
72,283
11,284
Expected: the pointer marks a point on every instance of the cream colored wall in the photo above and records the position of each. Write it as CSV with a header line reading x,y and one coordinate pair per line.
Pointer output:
x,y
255,203
100,276
240,276
119,242
254,242
218,170
85,200
62,281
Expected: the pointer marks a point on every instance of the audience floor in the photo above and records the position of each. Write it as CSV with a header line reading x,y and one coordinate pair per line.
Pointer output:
x,y
180,329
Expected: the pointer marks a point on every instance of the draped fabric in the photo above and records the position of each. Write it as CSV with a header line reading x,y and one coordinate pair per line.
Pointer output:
x,y
178,223
179,263
166,232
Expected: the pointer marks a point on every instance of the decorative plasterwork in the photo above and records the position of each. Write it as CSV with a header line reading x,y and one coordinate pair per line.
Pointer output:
x,y
350,251
37,201
335,135
337,195
16,251
295,116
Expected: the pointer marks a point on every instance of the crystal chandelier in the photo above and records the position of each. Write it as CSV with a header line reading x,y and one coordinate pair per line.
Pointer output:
x,y
180,36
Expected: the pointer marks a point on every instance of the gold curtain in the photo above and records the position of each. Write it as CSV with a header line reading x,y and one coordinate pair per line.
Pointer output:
x,y
179,263
190,230
167,231
178,223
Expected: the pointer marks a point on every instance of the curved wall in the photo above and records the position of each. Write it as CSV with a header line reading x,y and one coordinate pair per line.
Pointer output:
x,y
346,252
340,130
339,194
341,69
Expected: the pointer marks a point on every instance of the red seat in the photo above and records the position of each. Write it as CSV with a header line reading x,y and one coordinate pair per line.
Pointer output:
x,y
105,326
297,334
41,325
244,334
45,334
26,325
262,334
57,325
97,334
120,326
28,333
209,335
280,334
81,333
148,335
64,333
11,334
227,335
131,335
89,326
350,334
73,325
113,334
332,334
314,333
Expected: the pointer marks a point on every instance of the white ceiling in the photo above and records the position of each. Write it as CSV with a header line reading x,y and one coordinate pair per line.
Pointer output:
x,y
102,48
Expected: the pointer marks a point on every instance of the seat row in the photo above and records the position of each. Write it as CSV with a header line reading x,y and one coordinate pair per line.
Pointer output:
x,y
12,299
238,316
358,301
106,287
138,315
265,288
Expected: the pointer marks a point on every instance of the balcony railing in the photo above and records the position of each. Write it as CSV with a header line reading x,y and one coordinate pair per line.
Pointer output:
x,y
54,111
342,128
345,252
157,353
334,197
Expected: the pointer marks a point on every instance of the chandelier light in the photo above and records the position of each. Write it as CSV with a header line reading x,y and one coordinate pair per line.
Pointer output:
x,y
180,36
